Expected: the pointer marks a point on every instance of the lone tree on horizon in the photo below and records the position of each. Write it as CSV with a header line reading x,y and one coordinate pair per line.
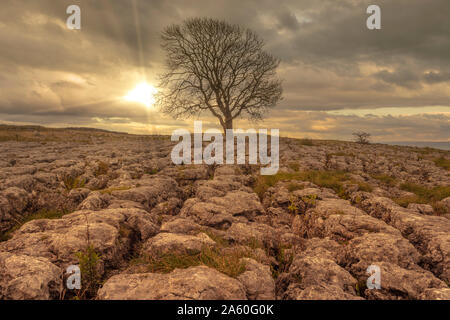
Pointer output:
x,y
217,67
362,137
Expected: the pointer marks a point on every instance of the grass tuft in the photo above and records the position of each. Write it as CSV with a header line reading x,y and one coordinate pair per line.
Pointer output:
x,y
332,179
41,214
424,195
89,262
101,169
73,182
112,189
385,179
229,263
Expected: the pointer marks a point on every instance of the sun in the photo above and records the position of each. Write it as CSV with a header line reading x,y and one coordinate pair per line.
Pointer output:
x,y
142,93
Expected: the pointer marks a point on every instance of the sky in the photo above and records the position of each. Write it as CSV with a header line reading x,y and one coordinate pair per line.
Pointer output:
x,y
338,76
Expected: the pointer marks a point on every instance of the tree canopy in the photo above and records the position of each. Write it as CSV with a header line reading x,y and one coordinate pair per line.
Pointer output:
x,y
217,67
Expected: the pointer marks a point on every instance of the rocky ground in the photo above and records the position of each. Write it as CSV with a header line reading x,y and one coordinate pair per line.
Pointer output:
x,y
140,227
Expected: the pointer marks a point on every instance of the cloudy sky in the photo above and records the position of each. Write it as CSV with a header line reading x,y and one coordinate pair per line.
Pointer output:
x,y
338,76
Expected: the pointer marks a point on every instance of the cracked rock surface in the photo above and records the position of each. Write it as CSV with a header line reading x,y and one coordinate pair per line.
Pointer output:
x,y
162,231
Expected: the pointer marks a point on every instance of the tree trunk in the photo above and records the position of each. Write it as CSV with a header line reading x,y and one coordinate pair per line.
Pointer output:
x,y
228,124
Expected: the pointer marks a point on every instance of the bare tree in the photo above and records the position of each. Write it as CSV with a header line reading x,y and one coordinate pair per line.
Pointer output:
x,y
362,137
217,67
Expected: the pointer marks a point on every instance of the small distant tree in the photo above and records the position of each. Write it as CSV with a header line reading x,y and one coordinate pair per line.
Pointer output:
x,y
217,67
362,137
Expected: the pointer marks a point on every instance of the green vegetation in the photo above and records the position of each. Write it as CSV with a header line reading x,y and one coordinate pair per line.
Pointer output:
x,y
424,195
151,171
41,214
294,186
224,257
310,200
363,186
284,260
73,182
228,262
101,169
428,195
327,179
89,262
110,190
136,175
443,163
386,179
333,179
306,142
360,288
219,240
293,209
294,166
424,150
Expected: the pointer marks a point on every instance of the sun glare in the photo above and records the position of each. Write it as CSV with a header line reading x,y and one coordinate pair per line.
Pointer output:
x,y
142,93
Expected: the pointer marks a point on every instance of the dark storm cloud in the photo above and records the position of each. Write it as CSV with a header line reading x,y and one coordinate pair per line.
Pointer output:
x,y
330,60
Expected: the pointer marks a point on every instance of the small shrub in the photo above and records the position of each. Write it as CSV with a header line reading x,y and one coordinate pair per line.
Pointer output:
x,y
284,260
360,288
73,182
89,262
101,169
310,200
293,209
